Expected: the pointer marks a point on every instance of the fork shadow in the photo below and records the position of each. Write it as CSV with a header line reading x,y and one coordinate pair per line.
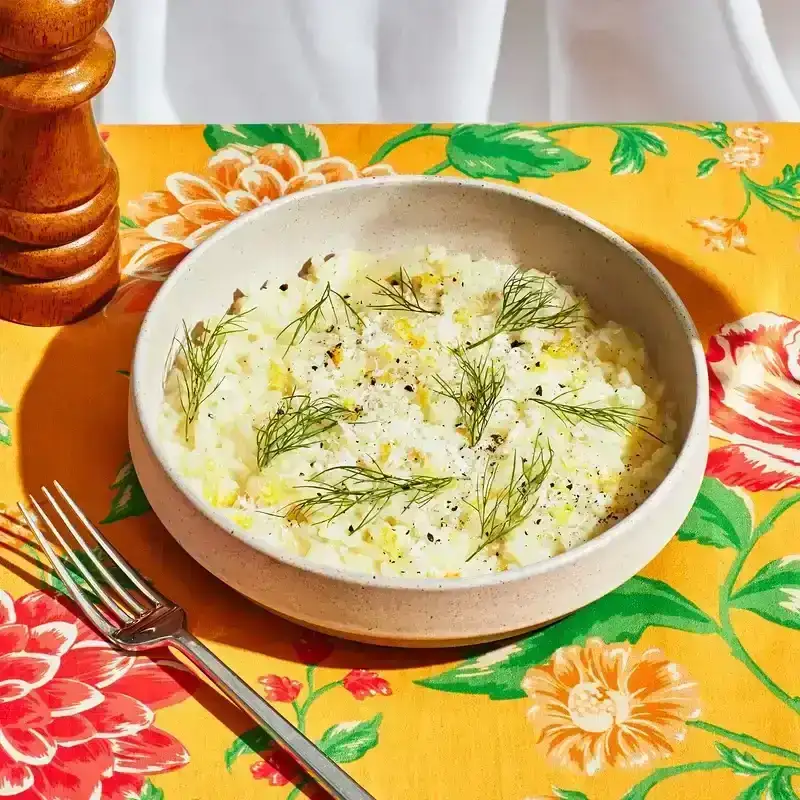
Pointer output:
x,y
23,557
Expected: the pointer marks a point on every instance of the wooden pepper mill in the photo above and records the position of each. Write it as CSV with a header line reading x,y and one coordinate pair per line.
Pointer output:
x,y
59,222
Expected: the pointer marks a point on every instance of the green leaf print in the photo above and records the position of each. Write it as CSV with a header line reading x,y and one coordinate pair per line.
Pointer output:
x,y
716,133
788,181
126,222
151,792
349,741
632,144
756,790
621,616
306,140
568,794
5,431
251,742
740,762
509,152
706,167
780,786
52,579
780,195
720,517
775,786
129,500
774,592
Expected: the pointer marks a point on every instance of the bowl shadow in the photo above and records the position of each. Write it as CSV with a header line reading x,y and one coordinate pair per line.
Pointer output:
x,y
709,302
22,557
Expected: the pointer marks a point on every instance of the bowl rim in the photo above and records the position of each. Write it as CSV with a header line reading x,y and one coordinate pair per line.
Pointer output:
x,y
697,427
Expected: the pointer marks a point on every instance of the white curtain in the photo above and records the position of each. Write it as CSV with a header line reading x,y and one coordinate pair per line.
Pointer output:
x,y
403,60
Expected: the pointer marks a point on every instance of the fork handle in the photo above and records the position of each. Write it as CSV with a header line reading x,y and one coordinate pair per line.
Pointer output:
x,y
326,772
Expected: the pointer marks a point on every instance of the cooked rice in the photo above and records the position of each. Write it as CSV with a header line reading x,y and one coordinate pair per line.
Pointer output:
x,y
385,372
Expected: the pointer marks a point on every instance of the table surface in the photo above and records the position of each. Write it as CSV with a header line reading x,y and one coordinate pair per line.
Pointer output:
x,y
685,677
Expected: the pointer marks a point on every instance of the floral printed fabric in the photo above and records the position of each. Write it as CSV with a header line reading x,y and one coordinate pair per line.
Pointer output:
x,y
754,369
605,705
682,683
76,717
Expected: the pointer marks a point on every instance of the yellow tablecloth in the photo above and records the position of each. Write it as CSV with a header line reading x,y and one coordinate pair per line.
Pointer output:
x,y
683,683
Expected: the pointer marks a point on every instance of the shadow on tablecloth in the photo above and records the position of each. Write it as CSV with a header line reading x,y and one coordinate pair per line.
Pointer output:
x,y
73,428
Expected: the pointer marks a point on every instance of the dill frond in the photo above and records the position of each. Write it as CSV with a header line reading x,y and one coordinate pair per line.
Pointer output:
x,y
299,421
502,509
529,301
305,323
198,356
400,297
477,393
337,490
618,419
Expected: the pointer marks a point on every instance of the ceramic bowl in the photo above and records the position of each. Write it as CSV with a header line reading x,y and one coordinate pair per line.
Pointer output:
x,y
381,215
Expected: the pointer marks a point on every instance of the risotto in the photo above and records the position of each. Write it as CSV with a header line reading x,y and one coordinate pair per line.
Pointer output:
x,y
418,414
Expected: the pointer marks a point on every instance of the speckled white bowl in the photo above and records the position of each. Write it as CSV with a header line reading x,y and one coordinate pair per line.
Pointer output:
x,y
381,215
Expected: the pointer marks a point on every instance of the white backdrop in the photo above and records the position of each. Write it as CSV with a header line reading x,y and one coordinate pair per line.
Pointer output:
x,y
402,60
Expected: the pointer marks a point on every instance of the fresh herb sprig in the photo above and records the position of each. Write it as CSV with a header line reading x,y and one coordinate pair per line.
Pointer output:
x,y
478,391
337,490
502,509
400,296
305,323
618,419
198,356
530,300
299,421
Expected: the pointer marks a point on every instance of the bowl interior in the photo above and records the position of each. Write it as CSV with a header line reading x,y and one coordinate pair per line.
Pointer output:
x,y
398,213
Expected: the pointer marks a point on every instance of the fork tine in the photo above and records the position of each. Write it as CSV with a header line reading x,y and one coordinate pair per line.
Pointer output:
x,y
113,553
126,596
109,602
97,619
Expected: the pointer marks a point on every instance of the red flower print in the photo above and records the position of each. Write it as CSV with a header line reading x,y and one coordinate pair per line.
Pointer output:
x,y
754,376
313,647
278,768
361,683
280,690
76,716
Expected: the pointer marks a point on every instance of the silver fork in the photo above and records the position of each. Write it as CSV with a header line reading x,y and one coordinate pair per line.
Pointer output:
x,y
155,622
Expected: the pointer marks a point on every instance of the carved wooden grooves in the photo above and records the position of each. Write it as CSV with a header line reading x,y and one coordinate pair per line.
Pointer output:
x,y
59,239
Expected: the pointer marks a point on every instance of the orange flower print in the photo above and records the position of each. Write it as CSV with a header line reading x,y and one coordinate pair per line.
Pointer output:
x,y
192,207
753,135
606,705
723,233
748,147
741,156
